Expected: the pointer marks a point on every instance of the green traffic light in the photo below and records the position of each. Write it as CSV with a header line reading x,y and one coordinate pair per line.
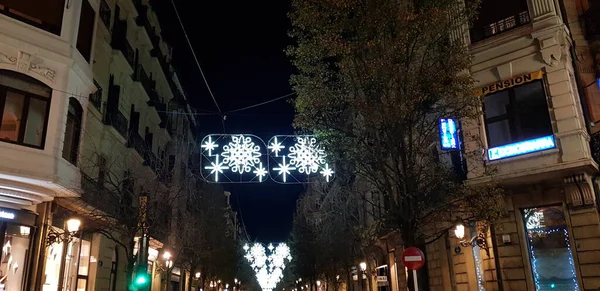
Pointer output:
x,y
141,280
552,285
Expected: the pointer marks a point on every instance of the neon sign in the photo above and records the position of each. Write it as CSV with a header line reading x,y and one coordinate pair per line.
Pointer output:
x,y
7,215
521,148
449,138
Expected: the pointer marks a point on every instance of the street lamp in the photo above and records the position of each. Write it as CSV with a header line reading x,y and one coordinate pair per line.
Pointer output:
x,y
197,275
363,266
478,240
72,226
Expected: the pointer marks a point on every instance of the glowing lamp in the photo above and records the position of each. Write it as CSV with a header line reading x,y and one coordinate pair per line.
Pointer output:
x,y
166,255
73,224
459,231
197,275
363,266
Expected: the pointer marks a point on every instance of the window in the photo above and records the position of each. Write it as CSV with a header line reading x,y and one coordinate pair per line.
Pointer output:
x,y
85,35
72,131
47,14
113,269
498,16
550,249
24,106
101,171
517,114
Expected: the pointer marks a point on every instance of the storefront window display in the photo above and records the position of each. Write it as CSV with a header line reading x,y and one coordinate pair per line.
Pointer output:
x,y
14,239
76,260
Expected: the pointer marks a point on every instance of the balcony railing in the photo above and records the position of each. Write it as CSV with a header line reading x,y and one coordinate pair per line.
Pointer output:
x,y
148,84
136,142
98,196
105,13
119,42
479,33
96,97
117,120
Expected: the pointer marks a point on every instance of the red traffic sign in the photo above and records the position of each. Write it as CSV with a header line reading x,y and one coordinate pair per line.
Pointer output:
x,y
413,258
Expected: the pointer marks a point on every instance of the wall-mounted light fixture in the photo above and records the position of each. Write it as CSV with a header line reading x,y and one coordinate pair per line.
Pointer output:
x,y
478,240
54,236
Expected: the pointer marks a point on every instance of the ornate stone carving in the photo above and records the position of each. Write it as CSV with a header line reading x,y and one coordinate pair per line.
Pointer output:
x,y
24,62
579,190
7,59
43,71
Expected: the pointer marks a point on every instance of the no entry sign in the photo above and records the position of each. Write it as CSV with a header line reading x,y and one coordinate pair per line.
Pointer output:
x,y
413,258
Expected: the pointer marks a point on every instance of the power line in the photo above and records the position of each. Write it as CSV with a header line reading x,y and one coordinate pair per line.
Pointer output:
x,y
196,58
260,104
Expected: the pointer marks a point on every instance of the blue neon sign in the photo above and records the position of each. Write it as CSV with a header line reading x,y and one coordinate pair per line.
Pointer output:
x,y
449,138
521,148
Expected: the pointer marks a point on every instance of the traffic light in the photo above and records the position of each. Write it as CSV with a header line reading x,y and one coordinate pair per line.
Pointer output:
x,y
141,281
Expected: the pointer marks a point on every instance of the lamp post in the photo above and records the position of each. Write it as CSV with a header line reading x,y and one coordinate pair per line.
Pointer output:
x,y
65,237
363,268
477,240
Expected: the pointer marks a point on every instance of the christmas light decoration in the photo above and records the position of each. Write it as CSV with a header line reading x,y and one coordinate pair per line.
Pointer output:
x,y
478,269
217,168
268,267
241,154
284,169
245,158
535,264
209,145
276,146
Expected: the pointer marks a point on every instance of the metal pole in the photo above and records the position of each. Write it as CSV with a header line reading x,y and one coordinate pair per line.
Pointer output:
x,y
415,280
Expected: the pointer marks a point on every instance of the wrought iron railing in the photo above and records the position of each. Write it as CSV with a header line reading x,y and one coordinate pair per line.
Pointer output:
x,y
479,33
96,97
118,121
105,13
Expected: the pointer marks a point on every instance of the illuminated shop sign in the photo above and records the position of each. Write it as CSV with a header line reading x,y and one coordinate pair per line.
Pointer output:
x,y
449,138
7,215
521,148
505,84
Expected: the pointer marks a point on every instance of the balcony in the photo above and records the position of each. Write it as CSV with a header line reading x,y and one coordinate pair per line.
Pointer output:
x,y
591,20
136,142
142,10
98,196
119,42
96,97
149,85
105,13
595,146
117,120
481,32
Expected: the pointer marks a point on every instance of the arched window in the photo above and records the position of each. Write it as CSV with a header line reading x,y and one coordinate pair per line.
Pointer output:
x,y
24,108
72,131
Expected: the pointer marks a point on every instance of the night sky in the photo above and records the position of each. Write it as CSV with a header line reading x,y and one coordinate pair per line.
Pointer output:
x,y
240,46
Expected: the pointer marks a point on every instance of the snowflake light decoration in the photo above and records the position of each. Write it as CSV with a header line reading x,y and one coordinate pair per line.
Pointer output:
x,y
217,168
268,267
276,146
209,146
307,155
284,169
241,154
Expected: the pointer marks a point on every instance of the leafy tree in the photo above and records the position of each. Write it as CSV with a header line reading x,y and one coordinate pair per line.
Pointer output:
x,y
374,77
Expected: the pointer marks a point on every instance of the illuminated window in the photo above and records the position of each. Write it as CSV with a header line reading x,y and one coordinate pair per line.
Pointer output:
x,y
24,105
47,14
549,248
496,17
516,115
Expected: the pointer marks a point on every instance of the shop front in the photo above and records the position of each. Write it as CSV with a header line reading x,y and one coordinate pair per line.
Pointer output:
x,y
17,228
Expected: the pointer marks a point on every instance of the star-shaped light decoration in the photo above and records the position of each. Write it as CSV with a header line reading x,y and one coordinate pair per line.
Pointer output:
x,y
216,168
209,146
276,147
284,169
260,172
327,172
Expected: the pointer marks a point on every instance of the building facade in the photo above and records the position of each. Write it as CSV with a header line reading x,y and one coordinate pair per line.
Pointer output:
x,y
45,78
535,71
